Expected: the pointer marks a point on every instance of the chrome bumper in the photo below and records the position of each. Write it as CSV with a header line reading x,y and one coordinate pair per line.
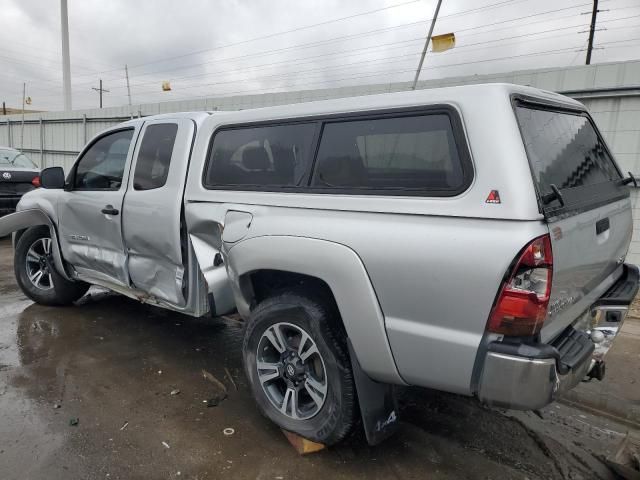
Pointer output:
x,y
528,377
520,383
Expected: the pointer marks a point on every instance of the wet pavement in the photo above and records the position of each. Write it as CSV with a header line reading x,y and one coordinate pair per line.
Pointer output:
x,y
618,393
112,363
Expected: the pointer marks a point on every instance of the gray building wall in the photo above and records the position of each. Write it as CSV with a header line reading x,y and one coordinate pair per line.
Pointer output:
x,y
611,92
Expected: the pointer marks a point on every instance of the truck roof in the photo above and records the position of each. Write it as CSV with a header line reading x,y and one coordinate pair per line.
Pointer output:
x,y
462,93
198,117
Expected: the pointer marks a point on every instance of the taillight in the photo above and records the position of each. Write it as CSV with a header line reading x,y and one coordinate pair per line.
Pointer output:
x,y
36,182
521,306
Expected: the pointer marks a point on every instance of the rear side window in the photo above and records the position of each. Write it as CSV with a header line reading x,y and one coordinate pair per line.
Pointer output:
x,y
564,150
154,158
264,156
416,153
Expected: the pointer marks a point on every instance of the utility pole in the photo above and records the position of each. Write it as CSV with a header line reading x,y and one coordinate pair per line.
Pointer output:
x,y
66,61
592,30
24,94
426,45
4,108
100,90
126,72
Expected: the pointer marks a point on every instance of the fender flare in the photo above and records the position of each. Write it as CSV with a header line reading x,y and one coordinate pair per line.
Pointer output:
x,y
33,217
343,271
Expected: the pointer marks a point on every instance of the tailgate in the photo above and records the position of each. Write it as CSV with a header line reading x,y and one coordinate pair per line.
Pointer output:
x,y
587,208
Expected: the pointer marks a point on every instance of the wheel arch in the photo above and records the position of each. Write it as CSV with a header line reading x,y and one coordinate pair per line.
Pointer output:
x,y
19,222
258,285
318,263
16,237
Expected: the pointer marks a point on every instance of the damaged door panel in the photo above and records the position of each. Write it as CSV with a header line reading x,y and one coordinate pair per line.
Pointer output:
x,y
152,214
119,219
205,223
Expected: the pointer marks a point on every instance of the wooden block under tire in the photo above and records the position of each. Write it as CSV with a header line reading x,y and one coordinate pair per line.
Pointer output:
x,y
302,445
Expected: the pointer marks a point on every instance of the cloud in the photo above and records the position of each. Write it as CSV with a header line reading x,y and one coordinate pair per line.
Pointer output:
x,y
207,48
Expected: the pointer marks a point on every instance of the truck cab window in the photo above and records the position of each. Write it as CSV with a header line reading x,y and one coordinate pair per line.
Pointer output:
x,y
102,166
402,153
270,156
154,158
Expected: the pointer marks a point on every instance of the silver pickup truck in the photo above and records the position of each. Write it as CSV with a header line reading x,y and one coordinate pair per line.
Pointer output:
x,y
468,239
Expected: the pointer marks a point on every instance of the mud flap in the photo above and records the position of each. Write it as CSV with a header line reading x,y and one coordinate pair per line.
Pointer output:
x,y
378,404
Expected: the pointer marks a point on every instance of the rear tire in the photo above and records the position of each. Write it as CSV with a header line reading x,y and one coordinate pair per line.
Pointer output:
x,y
308,360
36,273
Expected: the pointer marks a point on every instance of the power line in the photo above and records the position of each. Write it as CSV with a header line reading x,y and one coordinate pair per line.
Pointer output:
x,y
370,74
403,43
267,36
306,27
374,74
311,44
381,73
344,65
436,66
455,14
56,53
278,50
463,12
485,7
411,40
271,35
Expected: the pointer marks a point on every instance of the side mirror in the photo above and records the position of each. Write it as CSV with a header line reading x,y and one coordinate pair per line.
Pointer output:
x,y
52,177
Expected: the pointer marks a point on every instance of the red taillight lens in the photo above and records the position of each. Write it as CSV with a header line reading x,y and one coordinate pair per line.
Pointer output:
x,y
521,307
36,182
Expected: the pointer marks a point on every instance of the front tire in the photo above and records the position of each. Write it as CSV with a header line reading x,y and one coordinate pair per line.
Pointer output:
x,y
297,363
36,273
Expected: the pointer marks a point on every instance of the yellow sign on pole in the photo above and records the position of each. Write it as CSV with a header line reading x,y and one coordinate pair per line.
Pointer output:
x,y
444,42
166,86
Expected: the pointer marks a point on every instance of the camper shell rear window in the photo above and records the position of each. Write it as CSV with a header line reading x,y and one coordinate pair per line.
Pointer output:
x,y
567,154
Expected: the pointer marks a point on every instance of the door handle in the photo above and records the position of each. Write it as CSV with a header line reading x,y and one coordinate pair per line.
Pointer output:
x,y
109,210
602,225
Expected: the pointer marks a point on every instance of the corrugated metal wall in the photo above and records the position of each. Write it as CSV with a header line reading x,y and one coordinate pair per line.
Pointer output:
x,y
52,142
610,91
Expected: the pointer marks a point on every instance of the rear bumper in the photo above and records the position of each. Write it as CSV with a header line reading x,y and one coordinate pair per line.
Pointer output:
x,y
530,376
8,204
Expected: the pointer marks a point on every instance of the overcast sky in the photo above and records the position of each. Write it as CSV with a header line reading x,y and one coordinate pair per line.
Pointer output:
x,y
231,47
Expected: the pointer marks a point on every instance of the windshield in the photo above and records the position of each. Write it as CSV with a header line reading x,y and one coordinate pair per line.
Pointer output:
x,y
13,158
